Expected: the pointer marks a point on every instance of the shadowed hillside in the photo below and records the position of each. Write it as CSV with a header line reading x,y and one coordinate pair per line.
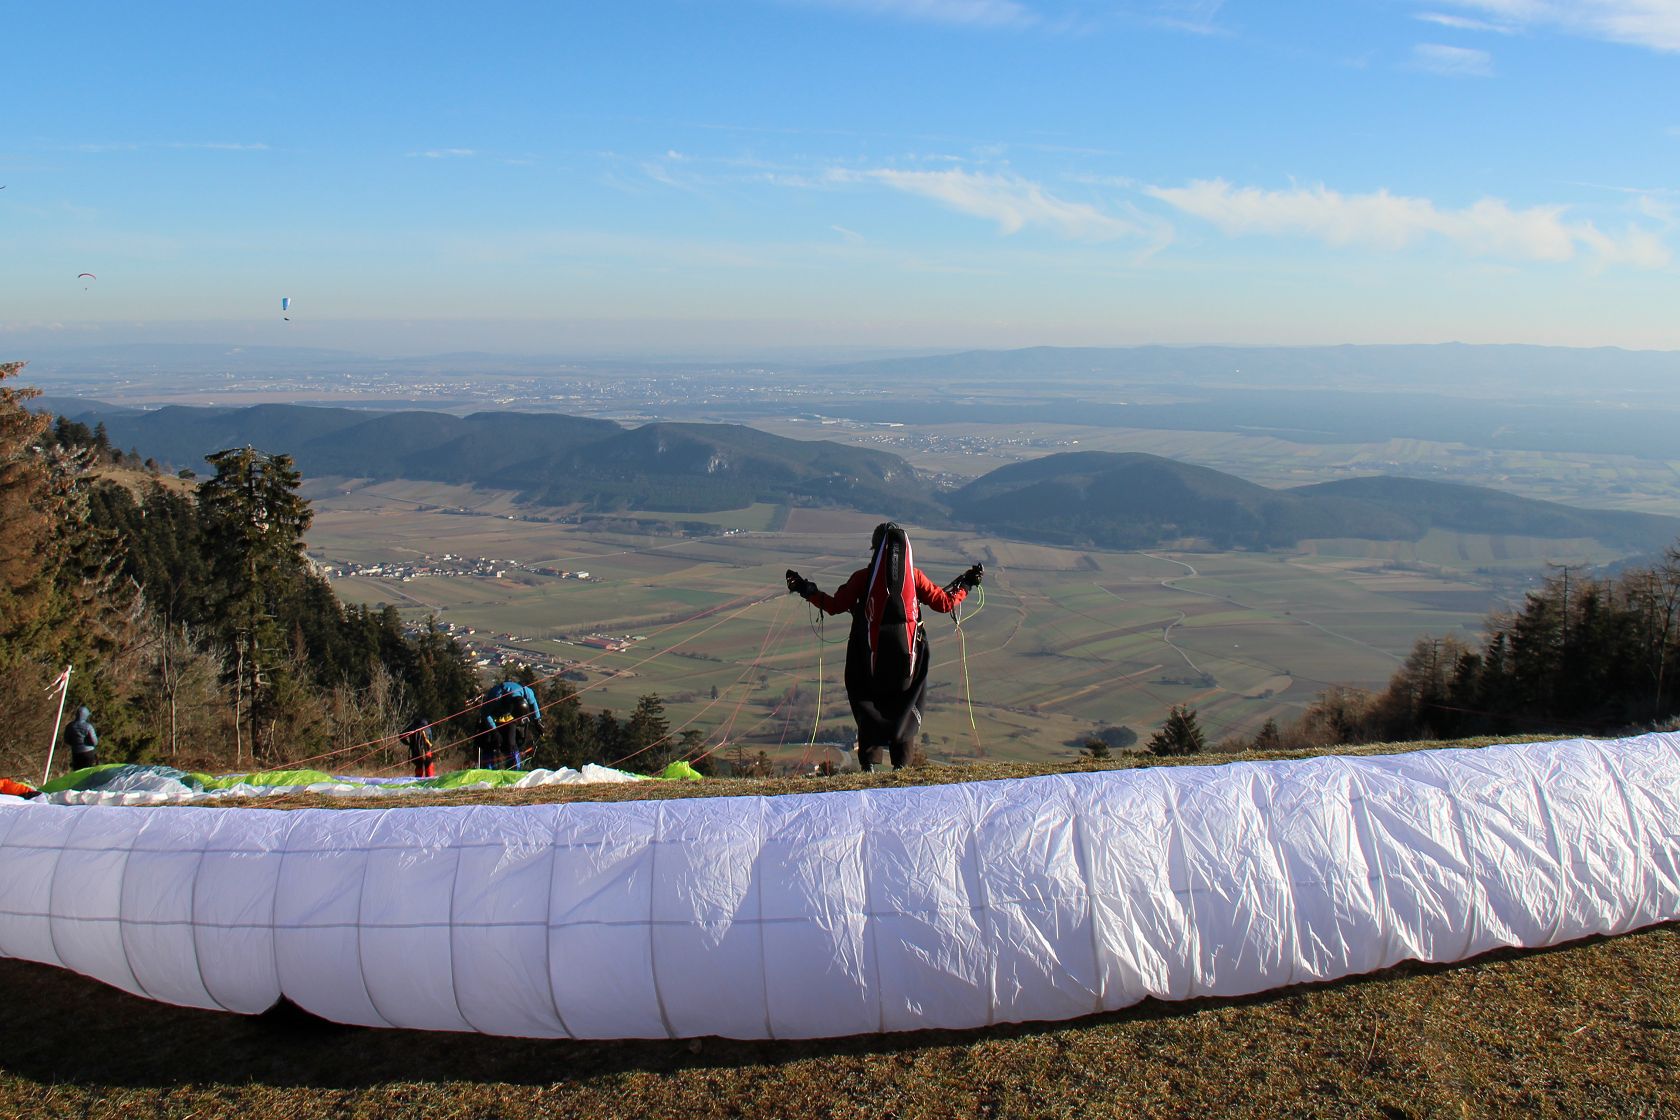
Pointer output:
x,y
1477,509
1130,500
551,458
693,467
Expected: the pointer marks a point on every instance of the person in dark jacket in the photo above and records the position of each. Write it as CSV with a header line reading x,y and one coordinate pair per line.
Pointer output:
x,y
82,740
887,651
417,737
510,708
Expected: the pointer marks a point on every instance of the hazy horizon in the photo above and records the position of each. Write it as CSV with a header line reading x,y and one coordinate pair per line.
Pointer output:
x,y
356,339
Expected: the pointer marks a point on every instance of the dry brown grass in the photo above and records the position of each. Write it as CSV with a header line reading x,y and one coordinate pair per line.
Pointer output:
x,y
1584,1030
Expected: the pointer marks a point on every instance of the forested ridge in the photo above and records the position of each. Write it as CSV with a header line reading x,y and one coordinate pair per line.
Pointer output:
x,y
550,459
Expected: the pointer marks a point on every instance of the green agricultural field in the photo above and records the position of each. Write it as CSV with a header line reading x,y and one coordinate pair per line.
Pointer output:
x,y
760,517
1450,549
1066,639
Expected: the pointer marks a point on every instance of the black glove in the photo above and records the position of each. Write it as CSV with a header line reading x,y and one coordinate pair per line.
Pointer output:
x,y
799,585
971,578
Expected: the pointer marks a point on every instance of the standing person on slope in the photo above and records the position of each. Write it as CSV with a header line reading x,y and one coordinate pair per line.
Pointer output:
x,y
417,737
82,740
508,708
887,652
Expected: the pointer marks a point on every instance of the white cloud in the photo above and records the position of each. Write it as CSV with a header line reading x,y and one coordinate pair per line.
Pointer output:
x,y
176,145
852,236
1381,220
1012,202
1195,16
221,146
1658,210
961,13
1455,62
445,153
1465,23
1647,23
657,171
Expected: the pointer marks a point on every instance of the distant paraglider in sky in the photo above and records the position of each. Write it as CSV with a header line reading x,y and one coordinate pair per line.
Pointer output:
x,y
285,306
85,276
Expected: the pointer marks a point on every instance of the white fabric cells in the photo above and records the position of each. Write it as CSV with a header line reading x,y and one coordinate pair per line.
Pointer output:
x,y
827,914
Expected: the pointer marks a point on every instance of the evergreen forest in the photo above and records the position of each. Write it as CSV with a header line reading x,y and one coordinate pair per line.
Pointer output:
x,y
1580,656
201,637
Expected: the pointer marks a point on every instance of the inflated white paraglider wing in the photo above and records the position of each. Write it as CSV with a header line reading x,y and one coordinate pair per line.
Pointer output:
x,y
845,913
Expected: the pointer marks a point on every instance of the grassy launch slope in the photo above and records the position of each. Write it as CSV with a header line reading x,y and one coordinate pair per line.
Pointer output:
x,y
1588,1030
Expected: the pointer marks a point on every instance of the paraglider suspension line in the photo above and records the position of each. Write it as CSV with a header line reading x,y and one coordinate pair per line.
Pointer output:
x,y
816,717
962,645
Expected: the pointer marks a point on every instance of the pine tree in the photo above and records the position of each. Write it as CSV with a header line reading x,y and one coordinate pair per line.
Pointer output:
x,y
569,732
648,733
32,507
1095,749
609,737
1180,734
1269,738
691,746
253,521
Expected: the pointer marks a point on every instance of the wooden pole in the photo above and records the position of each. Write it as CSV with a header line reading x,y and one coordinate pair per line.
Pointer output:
x,y
63,695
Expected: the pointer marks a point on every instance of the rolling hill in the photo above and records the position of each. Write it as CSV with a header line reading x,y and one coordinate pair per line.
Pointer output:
x,y
1130,500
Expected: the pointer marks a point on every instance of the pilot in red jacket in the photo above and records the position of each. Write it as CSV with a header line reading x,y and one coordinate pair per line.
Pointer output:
x,y
887,652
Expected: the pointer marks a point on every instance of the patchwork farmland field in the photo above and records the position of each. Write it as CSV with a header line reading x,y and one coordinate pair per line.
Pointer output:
x,y
1067,640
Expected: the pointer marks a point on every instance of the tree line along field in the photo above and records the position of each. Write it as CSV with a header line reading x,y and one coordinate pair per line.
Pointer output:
x,y
1067,640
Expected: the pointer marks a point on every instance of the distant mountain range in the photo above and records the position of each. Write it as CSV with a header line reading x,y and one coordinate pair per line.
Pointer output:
x,y
1103,499
1451,365
1422,367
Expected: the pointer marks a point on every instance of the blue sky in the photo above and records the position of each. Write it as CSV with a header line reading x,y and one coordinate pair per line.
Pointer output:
x,y
742,175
